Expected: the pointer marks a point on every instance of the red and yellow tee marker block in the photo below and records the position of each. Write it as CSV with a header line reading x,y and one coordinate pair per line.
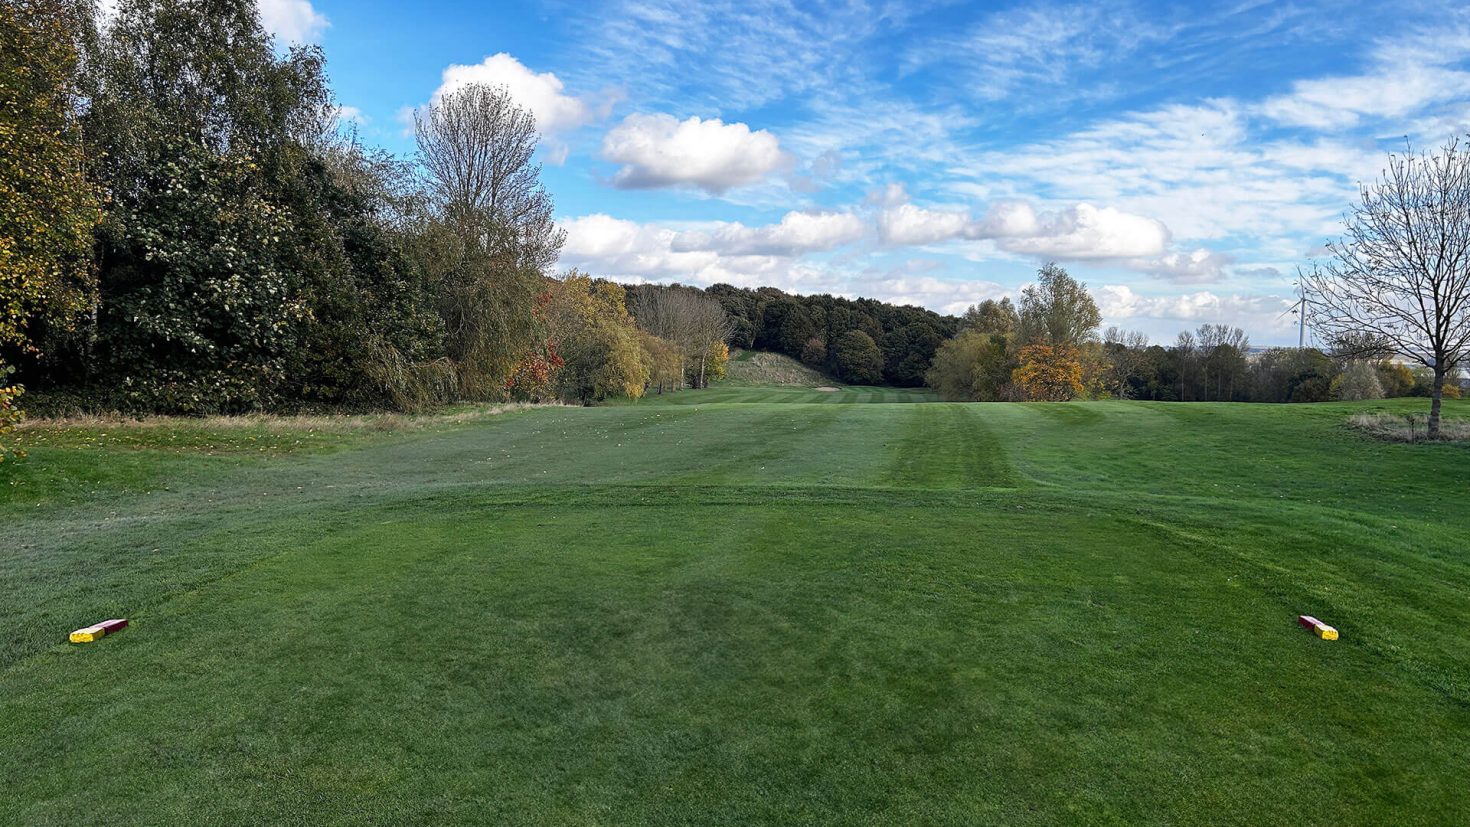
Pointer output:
x,y
87,634
1318,628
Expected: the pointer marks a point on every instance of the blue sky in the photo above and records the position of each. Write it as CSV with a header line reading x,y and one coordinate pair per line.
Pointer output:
x,y
1182,160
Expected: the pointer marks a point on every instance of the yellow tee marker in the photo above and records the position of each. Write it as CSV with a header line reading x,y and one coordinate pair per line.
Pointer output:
x,y
88,634
1320,629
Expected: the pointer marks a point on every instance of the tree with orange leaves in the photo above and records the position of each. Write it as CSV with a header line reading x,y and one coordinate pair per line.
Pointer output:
x,y
1050,373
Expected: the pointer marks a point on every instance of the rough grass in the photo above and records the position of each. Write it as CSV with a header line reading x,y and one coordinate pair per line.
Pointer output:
x,y
731,611
762,368
1409,427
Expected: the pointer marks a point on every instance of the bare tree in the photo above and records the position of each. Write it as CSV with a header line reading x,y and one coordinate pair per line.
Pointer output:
x,y
685,316
1125,352
1401,273
1186,349
709,324
476,144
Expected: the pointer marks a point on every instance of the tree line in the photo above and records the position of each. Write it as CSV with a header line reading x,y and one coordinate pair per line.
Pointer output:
x,y
859,341
188,227
1048,347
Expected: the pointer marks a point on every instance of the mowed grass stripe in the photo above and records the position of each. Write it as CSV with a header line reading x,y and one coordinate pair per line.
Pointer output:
x,y
947,446
730,612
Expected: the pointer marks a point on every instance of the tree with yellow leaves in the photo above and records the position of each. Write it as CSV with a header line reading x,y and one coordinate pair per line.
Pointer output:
x,y
47,206
665,362
1050,373
595,337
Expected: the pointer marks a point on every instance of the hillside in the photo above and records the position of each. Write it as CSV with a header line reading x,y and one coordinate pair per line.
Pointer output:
x,y
700,609
764,368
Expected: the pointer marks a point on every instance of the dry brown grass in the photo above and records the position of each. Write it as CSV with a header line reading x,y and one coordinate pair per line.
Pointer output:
x,y
329,423
1407,427
763,368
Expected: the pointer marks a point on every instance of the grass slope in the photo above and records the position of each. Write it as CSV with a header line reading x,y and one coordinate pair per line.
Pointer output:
x,y
743,605
759,368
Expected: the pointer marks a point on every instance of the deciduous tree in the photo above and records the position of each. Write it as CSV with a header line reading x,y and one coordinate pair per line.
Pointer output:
x,y
1401,272
858,359
491,234
992,316
596,339
1050,373
1057,310
47,206
972,367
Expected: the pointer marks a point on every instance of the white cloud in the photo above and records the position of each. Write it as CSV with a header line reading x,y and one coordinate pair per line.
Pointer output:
x,y
1039,46
751,257
292,21
616,247
1407,75
351,114
660,151
543,93
1201,167
1199,265
1393,92
797,233
1082,232
1162,316
908,285
906,224
631,252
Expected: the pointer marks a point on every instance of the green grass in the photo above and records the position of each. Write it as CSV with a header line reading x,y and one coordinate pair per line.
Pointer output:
x,y
741,605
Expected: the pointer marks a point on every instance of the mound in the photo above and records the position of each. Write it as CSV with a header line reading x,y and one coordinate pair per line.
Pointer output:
x,y
758,367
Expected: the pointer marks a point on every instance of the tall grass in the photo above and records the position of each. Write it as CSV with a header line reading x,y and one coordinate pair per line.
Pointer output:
x,y
1407,427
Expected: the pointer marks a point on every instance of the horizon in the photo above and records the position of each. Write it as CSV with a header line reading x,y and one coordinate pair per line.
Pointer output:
x,y
1181,163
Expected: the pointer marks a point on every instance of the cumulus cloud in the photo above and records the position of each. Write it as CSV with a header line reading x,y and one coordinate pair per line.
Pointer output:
x,y
907,224
543,93
292,21
1199,265
1259,315
660,151
908,284
618,247
797,233
1081,232
776,255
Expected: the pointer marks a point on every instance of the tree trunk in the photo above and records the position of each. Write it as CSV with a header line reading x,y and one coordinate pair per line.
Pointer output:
x,y
1436,394
702,360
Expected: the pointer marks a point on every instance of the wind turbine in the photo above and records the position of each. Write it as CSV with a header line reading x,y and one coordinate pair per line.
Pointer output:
x,y
1299,309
